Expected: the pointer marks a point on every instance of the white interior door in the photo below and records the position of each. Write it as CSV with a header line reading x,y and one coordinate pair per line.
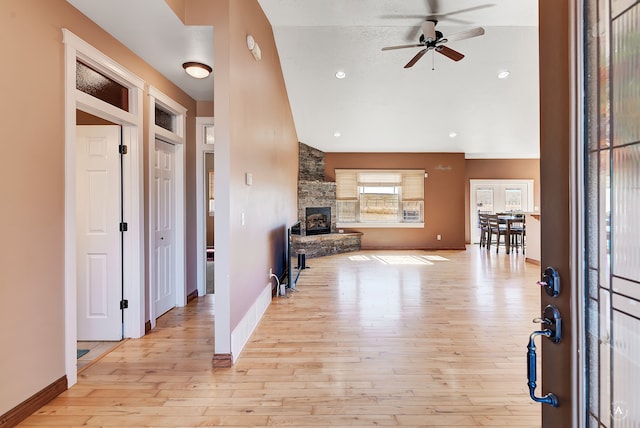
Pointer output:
x,y
164,234
498,196
98,246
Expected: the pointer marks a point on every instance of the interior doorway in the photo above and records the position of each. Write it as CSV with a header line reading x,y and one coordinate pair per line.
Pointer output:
x,y
80,57
205,205
210,222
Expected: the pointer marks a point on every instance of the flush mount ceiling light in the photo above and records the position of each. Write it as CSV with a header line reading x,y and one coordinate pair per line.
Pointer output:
x,y
197,69
337,134
503,74
341,74
453,134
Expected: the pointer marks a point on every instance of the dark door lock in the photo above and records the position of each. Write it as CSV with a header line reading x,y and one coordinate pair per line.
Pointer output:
x,y
552,322
550,281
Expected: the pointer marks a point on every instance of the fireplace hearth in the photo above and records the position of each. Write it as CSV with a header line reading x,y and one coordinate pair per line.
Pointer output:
x,y
318,220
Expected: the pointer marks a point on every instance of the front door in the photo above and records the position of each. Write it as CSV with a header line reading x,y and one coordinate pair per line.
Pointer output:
x,y
98,245
164,234
590,205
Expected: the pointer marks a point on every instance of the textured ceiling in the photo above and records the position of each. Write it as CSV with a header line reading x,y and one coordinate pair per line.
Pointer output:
x,y
380,106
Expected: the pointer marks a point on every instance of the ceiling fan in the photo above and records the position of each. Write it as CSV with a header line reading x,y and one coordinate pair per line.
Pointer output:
x,y
432,39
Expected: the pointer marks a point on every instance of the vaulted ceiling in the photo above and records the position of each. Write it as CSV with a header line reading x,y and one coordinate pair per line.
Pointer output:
x,y
438,105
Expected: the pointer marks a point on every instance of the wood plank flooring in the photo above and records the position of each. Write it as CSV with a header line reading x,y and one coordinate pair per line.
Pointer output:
x,y
374,338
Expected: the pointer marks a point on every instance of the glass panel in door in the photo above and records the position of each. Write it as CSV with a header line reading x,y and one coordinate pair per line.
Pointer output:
x,y
612,286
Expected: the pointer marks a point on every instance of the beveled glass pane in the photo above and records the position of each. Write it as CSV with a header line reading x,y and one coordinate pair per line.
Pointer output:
x,y
591,74
165,119
604,218
98,85
604,69
625,80
593,362
592,210
605,351
593,284
626,371
626,212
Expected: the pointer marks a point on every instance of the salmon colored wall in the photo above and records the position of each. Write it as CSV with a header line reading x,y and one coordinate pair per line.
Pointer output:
x,y
178,7
204,109
500,169
444,197
255,134
32,171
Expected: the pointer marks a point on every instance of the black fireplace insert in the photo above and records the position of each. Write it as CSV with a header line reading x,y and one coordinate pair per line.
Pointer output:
x,y
318,220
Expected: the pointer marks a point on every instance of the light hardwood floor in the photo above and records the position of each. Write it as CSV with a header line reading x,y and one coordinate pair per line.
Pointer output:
x,y
375,338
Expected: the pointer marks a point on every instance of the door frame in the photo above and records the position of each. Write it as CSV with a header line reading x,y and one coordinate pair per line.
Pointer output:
x,y
177,139
131,122
201,218
473,212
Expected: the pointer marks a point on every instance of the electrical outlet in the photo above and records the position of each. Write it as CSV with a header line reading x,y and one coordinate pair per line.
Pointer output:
x,y
270,272
439,237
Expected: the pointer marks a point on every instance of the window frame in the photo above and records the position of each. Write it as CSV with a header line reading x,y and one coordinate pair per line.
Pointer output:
x,y
350,184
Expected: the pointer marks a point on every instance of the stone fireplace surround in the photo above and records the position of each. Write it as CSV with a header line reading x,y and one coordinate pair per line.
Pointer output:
x,y
313,191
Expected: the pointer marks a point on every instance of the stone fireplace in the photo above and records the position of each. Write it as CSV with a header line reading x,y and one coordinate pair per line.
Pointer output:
x,y
317,210
318,220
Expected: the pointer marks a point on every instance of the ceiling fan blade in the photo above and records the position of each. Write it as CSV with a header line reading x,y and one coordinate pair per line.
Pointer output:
x,y
429,30
468,9
391,48
434,6
449,53
475,32
447,16
416,58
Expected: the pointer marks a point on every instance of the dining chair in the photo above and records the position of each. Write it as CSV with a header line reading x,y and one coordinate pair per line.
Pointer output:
x,y
517,232
498,229
484,228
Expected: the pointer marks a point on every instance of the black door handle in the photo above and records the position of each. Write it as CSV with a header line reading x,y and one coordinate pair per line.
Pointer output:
x,y
550,318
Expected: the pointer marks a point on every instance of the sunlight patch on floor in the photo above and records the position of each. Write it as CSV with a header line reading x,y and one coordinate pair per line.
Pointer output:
x,y
403,260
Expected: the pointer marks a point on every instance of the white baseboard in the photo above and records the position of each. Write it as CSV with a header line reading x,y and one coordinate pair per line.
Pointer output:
x,y
243,331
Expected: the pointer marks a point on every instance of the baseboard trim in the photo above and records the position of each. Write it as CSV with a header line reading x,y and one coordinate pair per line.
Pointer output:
x,y
147,327
241,334
532,261
25,409
192,295
222,361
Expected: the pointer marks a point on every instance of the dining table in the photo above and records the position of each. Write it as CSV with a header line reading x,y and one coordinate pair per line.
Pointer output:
x,y
508,220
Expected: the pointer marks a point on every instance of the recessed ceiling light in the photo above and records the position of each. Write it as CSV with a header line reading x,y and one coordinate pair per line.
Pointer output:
x,y
503,74
453,134
341,74
197,69
337,134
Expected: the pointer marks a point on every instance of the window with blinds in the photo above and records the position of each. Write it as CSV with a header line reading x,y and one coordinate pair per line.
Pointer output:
x,y
380,197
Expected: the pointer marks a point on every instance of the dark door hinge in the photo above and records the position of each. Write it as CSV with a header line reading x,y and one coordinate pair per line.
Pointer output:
x,y
122,149
124,227
124,304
